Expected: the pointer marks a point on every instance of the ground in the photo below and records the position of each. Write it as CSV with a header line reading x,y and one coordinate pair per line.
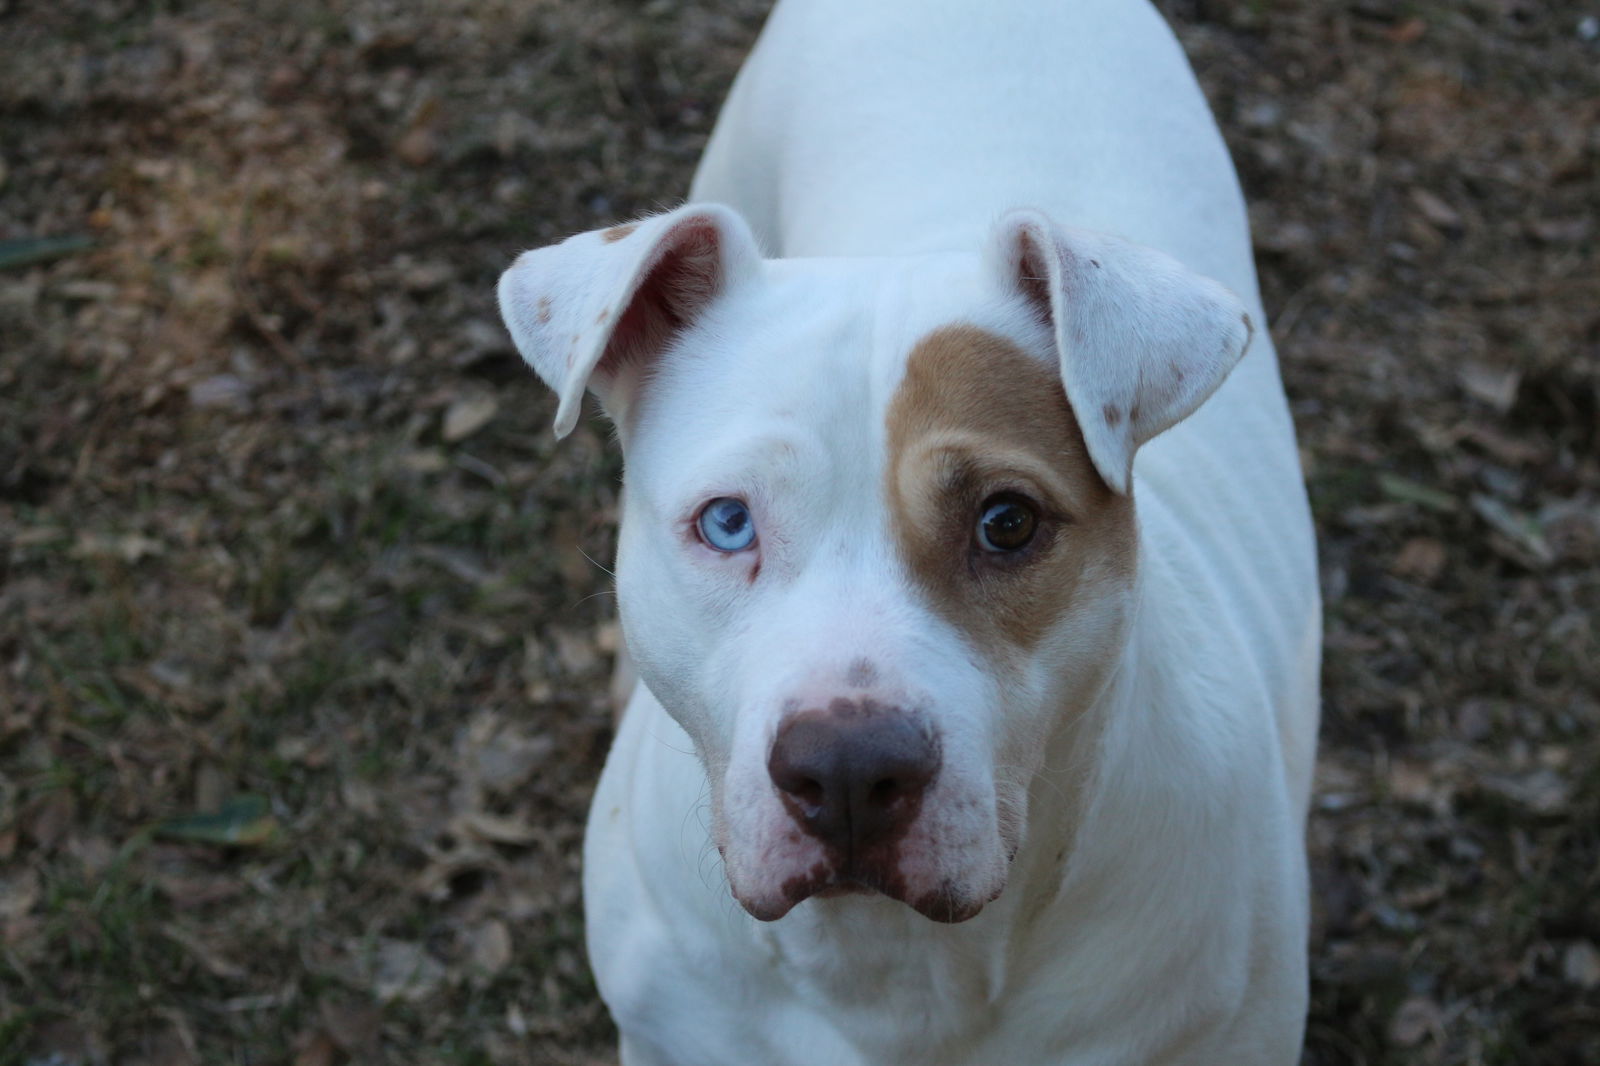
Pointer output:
x,y
303,644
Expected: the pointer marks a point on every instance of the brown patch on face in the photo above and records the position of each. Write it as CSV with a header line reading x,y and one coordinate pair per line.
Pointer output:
x,y
976,416
616,233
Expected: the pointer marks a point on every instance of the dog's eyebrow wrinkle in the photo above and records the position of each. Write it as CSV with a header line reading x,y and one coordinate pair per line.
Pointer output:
x,y
768,461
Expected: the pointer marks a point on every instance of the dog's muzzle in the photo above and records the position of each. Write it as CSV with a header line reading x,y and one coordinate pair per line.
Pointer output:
x,y
853,776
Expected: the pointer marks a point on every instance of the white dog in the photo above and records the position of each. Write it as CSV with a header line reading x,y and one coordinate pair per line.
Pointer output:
x,y
973,597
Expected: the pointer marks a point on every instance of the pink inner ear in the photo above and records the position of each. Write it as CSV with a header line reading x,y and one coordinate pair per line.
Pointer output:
x,y
686,274
1033,274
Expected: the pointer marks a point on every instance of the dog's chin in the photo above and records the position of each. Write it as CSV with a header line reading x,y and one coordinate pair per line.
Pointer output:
x,y
946,904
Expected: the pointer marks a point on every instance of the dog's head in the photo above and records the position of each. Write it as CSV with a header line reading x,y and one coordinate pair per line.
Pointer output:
x,y
878,543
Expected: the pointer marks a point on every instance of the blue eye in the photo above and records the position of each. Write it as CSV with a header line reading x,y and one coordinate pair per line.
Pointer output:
x,y
726,525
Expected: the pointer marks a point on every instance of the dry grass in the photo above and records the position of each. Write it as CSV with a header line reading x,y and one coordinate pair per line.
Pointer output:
x,y
283,535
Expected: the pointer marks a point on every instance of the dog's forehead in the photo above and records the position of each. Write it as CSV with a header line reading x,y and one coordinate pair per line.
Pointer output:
x,y
814,348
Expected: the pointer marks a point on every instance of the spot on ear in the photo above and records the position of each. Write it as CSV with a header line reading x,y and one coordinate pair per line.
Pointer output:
x,y
544,310
1112,413
616,233
862,674
601,317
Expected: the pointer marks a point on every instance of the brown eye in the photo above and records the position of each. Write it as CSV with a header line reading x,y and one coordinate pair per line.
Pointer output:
x,y
1007,523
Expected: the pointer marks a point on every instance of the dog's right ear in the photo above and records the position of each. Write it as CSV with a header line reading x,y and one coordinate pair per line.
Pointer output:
x,y
1142,340
594,310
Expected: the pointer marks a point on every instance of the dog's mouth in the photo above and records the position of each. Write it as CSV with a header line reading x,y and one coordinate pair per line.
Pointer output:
x,y
843,888
945,904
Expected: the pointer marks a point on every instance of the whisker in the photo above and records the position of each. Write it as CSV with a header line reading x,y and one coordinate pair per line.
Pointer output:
x,y
591,559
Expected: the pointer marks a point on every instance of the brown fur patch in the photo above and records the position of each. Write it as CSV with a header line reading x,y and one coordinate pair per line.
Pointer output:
x,y
616,233
976,416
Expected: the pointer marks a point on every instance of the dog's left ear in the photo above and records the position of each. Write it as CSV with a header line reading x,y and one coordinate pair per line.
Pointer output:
x,y
1142,339
595,310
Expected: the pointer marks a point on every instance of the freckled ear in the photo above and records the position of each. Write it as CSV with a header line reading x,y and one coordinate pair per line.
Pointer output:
x,y
594,310
1143,341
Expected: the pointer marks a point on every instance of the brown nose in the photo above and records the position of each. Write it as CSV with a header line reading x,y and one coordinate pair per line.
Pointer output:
x,y
853,775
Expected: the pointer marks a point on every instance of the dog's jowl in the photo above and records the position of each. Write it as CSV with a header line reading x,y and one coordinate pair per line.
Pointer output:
x,y
964,563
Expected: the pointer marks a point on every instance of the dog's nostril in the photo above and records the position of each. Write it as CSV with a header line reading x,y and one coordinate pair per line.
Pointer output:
x,y
884,792
808,792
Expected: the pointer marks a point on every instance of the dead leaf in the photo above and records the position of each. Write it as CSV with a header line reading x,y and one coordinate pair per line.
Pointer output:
x,y
1543,791
1420,559
1417,1019
353,1025
1414,783
94,853
468,415
18,893
1561,230
400,969
220,390
418,147
1435,210
425,461
1406,32
1580,964
1505,448
575,651
505,765
420,144
490,949
1573,532
1520,530
129,547
1495,386
497,829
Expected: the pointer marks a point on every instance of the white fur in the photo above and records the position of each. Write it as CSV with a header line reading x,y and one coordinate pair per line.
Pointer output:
x,y
1149,761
